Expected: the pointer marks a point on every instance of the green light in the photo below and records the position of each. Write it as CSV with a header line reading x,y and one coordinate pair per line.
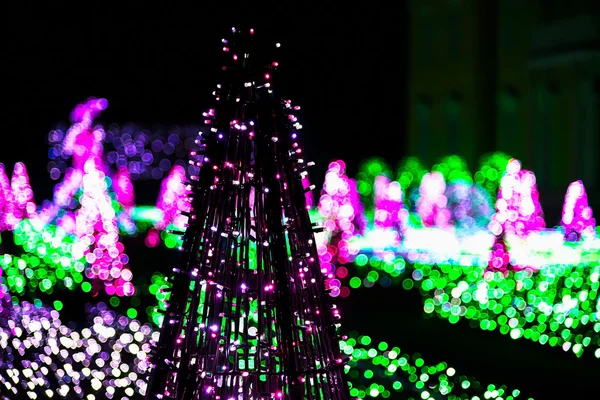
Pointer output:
x,y
364,188
58,305
171,241
361,260
131,313
364,340
86,287
146,213
355,282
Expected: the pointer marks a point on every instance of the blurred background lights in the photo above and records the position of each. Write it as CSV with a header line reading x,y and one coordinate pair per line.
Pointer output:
x,y
475,247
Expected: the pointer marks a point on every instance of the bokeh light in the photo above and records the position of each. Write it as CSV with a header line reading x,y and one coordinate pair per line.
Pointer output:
x,y
426,231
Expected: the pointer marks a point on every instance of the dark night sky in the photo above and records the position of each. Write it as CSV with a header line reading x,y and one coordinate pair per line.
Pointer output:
x,y
345,66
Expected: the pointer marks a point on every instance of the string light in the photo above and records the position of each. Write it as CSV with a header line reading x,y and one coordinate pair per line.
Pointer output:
x,y
532,284
382,370
341,212
577,215
518,207
148,154
107,360
44,358
231,328
174,199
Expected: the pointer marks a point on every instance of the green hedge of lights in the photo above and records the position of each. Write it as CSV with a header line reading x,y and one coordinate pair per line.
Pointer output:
x,y
558,305
381,370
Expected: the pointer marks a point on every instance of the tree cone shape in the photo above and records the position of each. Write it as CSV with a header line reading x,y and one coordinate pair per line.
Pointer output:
x,y
248,315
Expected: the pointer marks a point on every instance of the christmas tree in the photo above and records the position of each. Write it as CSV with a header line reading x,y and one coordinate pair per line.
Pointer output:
x,y
389,207
6,201
248,316
518,208
431,206
577,215
24,206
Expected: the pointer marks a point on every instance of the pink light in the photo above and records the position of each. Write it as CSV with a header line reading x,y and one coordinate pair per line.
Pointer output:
x,y
95,222
431,206
123,188
339,203
6,201
518,209
67,222
97,219
173,199
65,190
499,255
341,210
577,219
310,199
389,208
24,206
82,141
153,238
16,197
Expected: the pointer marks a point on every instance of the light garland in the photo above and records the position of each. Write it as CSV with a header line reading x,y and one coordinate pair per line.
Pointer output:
x,y
385,371
107,360
340,210
44,358
532,283
538,286
577,218
518,207
558,305
148,154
